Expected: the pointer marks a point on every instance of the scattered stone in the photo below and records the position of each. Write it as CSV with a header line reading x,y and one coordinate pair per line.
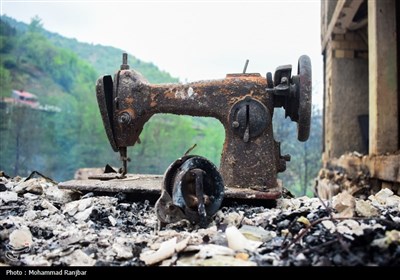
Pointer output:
x,y
111,231
257,233
364,208
84,215
85,203
30,196
212,250
122,251
32,185
34,260
219,261
53,193
78,258
47,205
8,196
113,221
344,204
383,195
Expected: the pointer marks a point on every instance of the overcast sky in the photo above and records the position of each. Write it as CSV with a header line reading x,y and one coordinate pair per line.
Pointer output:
x,y
192,40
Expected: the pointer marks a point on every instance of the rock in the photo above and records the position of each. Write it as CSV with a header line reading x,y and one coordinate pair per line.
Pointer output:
x,y
350,227
237,241
53,193
326,189
122,251
166,250
344,203
329,225
30,215
72,238
257,233
365,208
32,185
45,213
113,221
85,203
382,196
233,219
211,250
286,203
393,236
34,260
393,201
30,196
8,196
78,258
219,261
47,205
84,215
71,208
20,238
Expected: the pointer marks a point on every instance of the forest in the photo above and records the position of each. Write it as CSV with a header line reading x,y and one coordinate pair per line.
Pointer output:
x,y
62,72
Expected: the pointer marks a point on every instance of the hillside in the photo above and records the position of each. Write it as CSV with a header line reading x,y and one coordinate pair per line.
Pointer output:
x,y
104,59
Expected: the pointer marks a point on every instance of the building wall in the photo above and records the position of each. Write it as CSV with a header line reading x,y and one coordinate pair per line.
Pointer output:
x,y
360,44
346,95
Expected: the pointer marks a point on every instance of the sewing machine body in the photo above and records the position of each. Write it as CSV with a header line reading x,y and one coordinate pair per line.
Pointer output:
x,y
244,103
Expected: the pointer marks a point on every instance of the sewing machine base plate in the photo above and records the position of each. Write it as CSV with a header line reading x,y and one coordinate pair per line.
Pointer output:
x,y
146,186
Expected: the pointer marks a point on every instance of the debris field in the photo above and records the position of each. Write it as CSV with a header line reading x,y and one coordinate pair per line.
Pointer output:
x,y
42,225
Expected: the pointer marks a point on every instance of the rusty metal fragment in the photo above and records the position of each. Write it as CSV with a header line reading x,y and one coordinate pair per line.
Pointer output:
x,y
193,184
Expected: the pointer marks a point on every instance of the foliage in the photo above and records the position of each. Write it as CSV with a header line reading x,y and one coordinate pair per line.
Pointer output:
x,y
305,161
63,72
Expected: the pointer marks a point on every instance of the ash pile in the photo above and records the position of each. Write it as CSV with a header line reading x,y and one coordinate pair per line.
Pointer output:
x,y
42,225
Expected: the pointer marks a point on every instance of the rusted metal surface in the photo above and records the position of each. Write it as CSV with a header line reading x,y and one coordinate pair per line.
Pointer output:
x,y
194,185
243,103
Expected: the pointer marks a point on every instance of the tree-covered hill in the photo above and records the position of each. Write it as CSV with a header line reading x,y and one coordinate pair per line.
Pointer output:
x,y
104,59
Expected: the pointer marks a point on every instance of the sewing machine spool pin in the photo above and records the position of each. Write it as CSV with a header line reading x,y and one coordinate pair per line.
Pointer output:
x,y
243,102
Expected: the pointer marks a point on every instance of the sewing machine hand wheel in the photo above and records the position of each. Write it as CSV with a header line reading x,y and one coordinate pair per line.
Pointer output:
x,y
305,97
294,94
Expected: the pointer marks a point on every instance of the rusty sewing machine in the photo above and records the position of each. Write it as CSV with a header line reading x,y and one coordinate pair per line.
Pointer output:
x,y
243,102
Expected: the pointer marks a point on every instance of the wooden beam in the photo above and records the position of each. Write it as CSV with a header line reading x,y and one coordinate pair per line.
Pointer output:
x,y
347,14
342,19
332,23
383,83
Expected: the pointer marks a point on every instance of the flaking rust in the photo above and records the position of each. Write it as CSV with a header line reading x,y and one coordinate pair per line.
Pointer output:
x,y
244,103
